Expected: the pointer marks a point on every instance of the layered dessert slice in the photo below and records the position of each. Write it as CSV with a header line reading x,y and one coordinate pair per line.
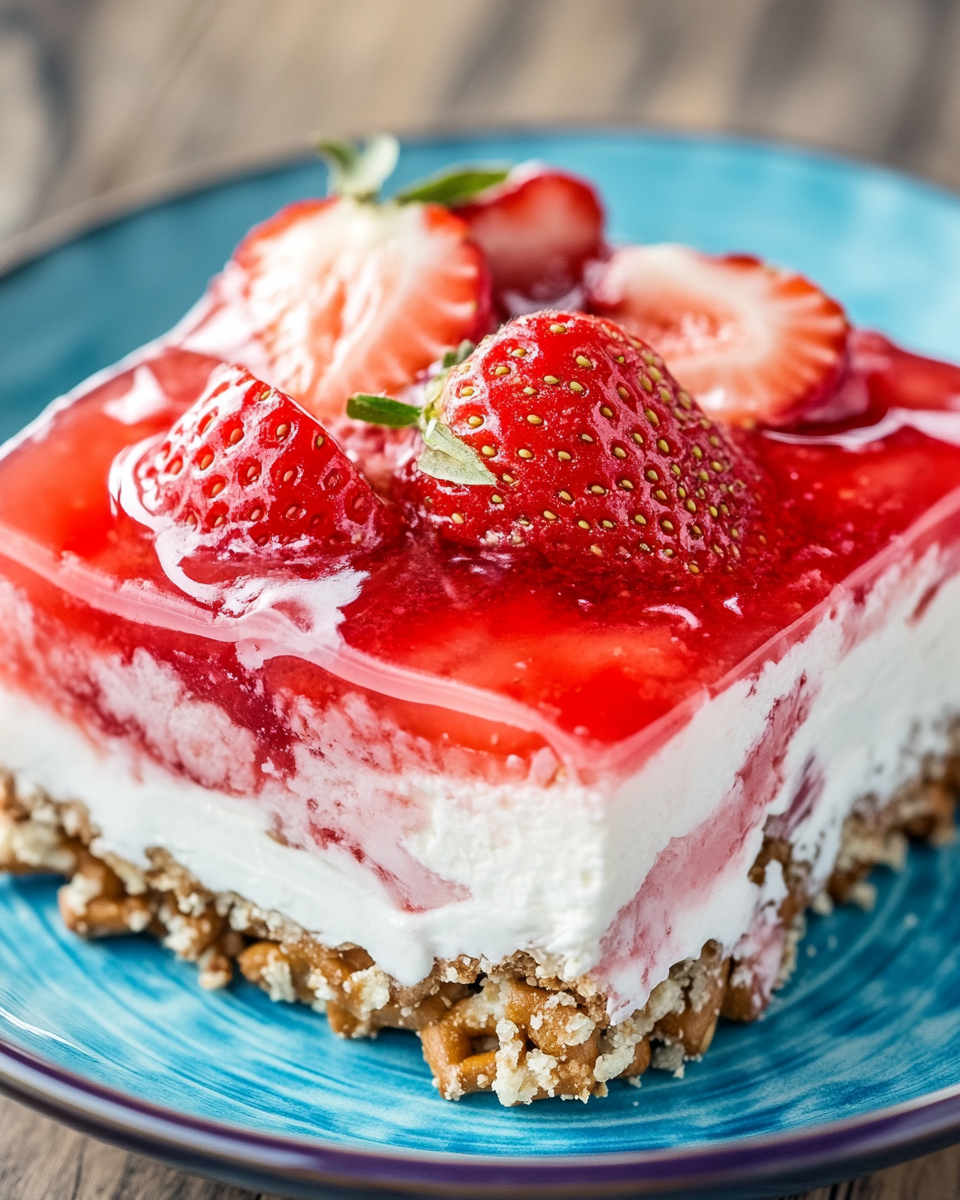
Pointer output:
x,y
541,745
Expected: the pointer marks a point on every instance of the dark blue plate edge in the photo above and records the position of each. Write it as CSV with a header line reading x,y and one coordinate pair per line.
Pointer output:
x,y
804,1158
801,1159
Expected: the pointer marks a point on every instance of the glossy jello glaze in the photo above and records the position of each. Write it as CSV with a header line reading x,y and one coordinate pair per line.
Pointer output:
x,y
481,651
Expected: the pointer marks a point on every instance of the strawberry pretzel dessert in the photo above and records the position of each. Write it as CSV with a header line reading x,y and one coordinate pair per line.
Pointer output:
x,y
463,625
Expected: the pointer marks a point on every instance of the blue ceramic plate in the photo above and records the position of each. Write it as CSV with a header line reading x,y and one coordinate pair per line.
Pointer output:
x,y
858,1060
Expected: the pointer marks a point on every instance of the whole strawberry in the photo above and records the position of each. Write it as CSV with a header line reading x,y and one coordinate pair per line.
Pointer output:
x,y
590,452
247,471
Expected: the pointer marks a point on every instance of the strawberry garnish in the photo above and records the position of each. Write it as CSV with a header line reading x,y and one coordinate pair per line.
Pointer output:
x,y
755,344
333,296
343,294
539,229
562,434
247,471
899,379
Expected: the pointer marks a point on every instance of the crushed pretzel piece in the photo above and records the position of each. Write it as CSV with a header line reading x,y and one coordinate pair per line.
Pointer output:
x,y
461,1047
703,985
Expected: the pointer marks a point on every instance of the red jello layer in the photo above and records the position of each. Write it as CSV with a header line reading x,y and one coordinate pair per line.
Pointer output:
x,y
459,648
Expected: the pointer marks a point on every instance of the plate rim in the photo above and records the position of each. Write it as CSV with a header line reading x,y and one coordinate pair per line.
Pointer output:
x,y
890,1134
118,204
922,1122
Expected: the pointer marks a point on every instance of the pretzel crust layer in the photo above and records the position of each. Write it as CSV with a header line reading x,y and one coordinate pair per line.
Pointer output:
x,y
513,1027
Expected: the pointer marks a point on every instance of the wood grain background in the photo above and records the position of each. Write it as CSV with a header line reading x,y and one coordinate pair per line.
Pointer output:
x,y
102,98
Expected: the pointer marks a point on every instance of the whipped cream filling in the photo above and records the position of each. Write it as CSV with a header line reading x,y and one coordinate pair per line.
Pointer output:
x,y
502,841
851,710
618,880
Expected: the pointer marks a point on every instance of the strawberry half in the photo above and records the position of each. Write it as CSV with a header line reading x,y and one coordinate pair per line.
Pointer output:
x,y
333,296
246,471
755,344
592,451
538,229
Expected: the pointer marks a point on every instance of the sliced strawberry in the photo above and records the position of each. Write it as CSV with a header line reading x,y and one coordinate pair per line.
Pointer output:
x,y
539,229
594,454
755,344
899,379
331,297
246,470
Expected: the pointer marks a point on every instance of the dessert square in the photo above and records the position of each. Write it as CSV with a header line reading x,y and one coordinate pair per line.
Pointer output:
x,y
522,694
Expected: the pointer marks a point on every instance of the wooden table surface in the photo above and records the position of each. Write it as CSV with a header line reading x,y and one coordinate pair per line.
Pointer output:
x,y
114,98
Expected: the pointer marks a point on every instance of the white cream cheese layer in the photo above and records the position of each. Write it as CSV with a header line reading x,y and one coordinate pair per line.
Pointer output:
x,y
544,864
872,688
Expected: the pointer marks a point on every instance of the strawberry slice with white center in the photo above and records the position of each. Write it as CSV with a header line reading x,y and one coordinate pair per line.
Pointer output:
x,y
754,343
246,471
341,295
539,229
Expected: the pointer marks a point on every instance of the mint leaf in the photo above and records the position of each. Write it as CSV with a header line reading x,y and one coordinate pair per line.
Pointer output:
x,y
359,169
339,156
382,410
455,185
446,457
453,358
